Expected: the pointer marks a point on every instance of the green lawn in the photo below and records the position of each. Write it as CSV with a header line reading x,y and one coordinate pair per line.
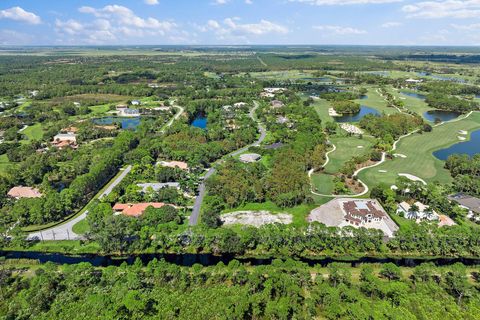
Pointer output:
x,y
347,148
61,246
34,132
322,106
4,163
414,104
420,161
100,109
81,227
323,183
376,101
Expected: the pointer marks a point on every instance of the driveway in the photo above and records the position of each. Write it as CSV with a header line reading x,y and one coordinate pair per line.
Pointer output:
x,y
202,189
64,231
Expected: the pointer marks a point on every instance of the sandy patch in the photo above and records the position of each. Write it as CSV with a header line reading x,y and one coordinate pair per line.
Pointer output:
x,y
255,218
382,171
333,113
461,138
359,147
412,177
399,155
351,128
462,132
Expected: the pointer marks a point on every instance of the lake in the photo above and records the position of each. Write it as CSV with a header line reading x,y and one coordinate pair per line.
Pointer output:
x,y
200,122
379,73
469,147
321,79
125,123
355,117
414,95
443,115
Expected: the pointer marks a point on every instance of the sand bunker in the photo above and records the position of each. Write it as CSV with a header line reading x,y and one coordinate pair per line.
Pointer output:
x,y
360,147
412,177
382,171
461,138
255,218
399,155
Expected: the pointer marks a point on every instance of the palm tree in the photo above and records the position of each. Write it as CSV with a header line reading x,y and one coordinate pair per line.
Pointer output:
x,y
413,212
428,213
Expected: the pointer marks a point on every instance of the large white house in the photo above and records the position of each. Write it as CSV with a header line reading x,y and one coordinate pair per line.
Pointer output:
x,y
417,212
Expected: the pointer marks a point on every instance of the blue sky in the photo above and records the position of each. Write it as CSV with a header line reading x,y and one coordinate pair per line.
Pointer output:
x,y
210,22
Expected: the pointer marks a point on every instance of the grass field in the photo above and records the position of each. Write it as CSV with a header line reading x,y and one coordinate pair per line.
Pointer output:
x,y
376,101
34,132
414,104
81,227
321,107
420,161
100,109
4,163
323,183
347,147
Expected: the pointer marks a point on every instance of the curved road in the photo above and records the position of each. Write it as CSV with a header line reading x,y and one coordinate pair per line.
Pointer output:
x,y
384,154
202,189
64,231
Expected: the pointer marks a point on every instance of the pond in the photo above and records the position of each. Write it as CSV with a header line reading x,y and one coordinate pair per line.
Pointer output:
x,y
363,97
188,260
414,95
321,79
469,147
200,121
355,117
443,115
379,73
125,123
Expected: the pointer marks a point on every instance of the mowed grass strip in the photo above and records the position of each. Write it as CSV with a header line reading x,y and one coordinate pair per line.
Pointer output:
x,y
376,101
323,183
419,159
347,148
34,132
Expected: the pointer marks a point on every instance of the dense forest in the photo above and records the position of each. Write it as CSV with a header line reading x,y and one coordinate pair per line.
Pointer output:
x,y
282,290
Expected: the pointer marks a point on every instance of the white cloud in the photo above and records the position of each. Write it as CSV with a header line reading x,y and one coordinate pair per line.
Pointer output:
x,y
468,27
12,37
18,14
391,24
343,2
151,2
339,30
232,29
116,24
220,2
443,9
126,17
248,1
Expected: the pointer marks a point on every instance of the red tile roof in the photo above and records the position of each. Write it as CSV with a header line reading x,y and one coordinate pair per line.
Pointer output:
x,y
24,192
135,209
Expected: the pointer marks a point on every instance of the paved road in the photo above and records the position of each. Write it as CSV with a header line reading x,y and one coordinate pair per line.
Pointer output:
x,y
65,231
202,189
